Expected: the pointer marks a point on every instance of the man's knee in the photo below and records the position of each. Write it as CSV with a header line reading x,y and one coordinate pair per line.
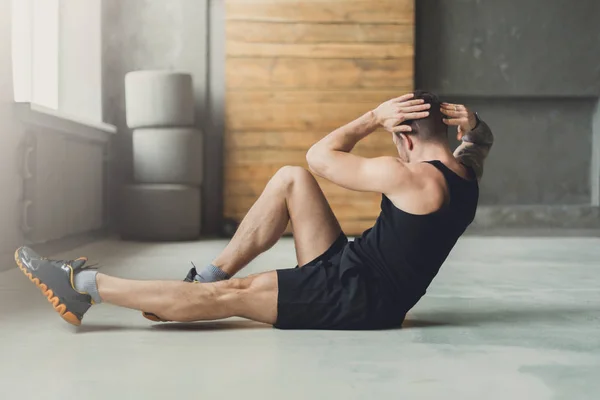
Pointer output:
x,y
252,283
290,175
253,297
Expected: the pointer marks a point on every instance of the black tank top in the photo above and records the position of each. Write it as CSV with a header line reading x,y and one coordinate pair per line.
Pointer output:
x,y
404,252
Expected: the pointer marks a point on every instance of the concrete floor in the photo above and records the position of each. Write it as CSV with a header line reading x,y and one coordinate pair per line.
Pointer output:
x,y
506,318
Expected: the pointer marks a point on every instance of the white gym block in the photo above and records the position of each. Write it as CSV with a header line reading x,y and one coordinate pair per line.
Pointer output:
x,y
160,212
159,98
167,155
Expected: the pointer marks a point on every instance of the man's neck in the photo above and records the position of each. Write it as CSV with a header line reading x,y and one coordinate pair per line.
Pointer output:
x,y
432,152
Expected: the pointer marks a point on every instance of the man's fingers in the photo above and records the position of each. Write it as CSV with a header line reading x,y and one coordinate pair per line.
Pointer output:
x,y
401,129
454,114
453,107
409,103
453,121
418,107
416,115
404,97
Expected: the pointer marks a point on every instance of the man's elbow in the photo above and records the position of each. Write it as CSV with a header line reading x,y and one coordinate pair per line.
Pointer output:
x,y
314,159
481,136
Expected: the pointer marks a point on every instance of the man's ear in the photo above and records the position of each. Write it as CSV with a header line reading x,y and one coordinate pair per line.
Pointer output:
x,y
408,140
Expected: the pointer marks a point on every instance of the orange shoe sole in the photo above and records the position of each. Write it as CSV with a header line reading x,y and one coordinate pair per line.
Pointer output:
x,y
49,294
153,317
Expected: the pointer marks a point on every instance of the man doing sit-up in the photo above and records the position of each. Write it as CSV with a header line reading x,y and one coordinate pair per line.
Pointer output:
x,y
429,198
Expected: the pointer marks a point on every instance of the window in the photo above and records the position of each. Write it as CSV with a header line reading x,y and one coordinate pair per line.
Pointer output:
x,y
57,62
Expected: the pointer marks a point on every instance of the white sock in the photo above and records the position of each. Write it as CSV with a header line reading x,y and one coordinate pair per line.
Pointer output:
x,y
85,282
211,273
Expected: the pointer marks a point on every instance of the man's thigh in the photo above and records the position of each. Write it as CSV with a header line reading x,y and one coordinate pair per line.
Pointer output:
x,y
314,224
322,296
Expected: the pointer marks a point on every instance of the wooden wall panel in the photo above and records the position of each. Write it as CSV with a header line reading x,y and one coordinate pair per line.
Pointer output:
x,y
295,70
285,32
319,50
249,73
294,140
321,11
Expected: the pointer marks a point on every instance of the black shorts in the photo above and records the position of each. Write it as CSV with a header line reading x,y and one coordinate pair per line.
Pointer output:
x,y
328,293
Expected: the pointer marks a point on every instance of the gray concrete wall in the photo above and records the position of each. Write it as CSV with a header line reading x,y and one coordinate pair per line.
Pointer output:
x,y
11,136
542,153
532,70
509,48
147,34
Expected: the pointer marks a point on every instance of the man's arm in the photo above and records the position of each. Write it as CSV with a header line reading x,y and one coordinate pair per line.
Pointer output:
x,y
476,135
330,158
475,147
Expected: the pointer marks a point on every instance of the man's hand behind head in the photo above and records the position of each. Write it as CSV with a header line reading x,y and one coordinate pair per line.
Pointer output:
x,y
460,116
391,114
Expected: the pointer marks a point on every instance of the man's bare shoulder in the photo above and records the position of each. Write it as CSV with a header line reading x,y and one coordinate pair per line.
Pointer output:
x,y
425,190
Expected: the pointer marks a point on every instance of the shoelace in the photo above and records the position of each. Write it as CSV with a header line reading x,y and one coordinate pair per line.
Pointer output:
x,y
192,273
60,263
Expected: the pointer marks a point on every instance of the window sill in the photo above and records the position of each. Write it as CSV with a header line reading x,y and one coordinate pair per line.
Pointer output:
x,y
32,114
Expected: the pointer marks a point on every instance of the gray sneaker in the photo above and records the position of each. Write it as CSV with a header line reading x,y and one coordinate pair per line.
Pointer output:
x,y
55,280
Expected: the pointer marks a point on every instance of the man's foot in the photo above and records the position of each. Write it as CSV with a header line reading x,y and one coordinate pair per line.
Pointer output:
x,y
155,318
55,280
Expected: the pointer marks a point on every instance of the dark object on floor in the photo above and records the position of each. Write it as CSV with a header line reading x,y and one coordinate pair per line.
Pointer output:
x,y
229,227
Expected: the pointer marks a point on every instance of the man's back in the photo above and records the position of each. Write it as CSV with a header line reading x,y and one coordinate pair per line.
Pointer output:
x,y
426,205
404,251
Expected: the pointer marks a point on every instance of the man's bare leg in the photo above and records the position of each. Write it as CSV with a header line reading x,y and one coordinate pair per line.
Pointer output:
x,y
72,290
292,195
254,297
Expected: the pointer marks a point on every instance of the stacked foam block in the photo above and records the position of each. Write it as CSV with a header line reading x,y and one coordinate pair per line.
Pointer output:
x,y
164,201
